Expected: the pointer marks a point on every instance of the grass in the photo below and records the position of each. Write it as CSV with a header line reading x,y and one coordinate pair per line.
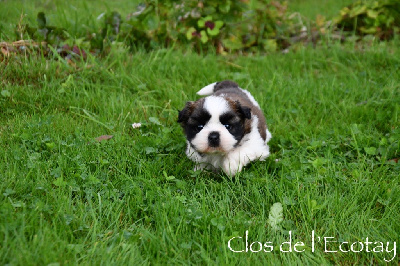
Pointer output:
x,y
69,199
327,8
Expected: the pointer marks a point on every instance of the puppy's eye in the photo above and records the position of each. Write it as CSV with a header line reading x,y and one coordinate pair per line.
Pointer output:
x,y
227,126
200,127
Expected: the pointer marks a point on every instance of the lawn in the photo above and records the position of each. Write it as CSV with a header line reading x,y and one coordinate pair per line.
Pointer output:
x,y
67,198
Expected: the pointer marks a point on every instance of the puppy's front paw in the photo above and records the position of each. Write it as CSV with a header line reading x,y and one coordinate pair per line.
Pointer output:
x,y
231,167
198,167
202,166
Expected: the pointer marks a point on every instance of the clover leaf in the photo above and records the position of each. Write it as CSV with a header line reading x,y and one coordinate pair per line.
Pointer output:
x,y
213,28
203,37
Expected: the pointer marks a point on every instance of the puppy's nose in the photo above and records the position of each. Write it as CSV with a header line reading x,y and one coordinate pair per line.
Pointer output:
x,y
213,139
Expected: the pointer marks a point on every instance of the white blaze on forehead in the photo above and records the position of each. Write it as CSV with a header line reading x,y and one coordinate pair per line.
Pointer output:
x,y
216,106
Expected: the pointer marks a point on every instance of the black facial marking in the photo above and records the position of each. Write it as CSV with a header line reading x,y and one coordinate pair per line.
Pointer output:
x,y
243,110
246,112
196,122
234,124
184,114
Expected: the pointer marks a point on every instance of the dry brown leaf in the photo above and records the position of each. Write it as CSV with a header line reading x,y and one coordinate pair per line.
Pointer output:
x,y
5,52
104,137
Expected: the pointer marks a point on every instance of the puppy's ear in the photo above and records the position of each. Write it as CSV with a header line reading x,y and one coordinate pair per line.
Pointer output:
x,y
246,111
184,114
243,110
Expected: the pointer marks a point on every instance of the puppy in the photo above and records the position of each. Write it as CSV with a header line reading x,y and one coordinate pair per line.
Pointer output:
x,y
225,130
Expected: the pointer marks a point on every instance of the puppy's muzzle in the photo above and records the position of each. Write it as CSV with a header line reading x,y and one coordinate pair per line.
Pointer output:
x,y
213,139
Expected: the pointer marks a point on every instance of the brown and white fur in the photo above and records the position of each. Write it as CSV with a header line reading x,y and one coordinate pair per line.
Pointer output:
x,y
225,130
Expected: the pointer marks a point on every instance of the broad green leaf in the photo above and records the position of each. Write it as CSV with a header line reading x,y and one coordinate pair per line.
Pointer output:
x,y
152,22
150,150
186,245
155,120
204,37
275,216
50,145
372,13
370,150
213,32
169,178
219,24
5,93
189,33
232,43
270,45
225,7
357,10
370,30
59,182
317,163
201,22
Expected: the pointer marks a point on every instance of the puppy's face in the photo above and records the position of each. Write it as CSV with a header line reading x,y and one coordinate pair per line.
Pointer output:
x,y
214,124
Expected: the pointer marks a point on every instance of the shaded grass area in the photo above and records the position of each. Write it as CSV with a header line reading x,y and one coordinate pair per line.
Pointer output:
x,y
311,8
67,198
80,17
